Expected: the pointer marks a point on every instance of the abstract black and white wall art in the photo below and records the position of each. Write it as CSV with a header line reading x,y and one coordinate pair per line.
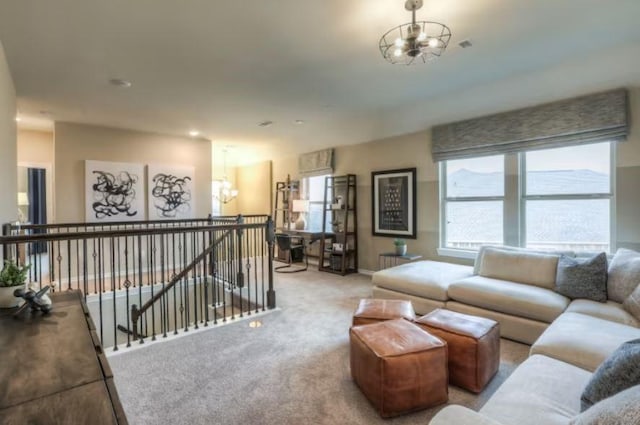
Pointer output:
x,y
114,191
171,192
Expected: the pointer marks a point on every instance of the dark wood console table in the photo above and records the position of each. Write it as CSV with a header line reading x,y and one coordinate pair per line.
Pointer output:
x,y
53,369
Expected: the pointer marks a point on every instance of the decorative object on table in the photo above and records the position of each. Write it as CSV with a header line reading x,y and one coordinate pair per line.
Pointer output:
x,y
36,300
301,207
337,247
114,191
401,246
394,203
416,41
12,278
170,192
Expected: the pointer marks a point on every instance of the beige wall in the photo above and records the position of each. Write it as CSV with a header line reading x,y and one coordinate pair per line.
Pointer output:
x,y
414,150
254,187
8,149
75,143
35,149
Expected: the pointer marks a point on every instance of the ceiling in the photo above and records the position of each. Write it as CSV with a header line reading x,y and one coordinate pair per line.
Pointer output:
x,y
222,66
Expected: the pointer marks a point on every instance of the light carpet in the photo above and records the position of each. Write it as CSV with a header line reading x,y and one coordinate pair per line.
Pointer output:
x,y
294,369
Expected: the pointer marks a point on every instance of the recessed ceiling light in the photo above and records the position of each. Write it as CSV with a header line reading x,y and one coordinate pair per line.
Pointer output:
x,y
119,82
18,119
265,124
194,133
299,122
255,324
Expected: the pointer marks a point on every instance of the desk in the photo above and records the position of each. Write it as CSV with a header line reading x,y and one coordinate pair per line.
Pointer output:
x,y
308,236
54,369
390,259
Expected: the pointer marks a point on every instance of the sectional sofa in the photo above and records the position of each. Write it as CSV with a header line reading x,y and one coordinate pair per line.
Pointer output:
x,y
569,338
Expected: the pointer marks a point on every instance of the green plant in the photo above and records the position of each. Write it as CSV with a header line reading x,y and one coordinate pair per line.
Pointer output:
x,y
12,274
399,242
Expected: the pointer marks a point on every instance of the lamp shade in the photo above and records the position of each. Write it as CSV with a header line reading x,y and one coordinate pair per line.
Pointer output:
x,y
300,205
23,199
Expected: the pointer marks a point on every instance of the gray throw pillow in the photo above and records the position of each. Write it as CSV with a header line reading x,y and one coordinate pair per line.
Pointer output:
x,y
632,303
624,274
621,370
621,409
583,277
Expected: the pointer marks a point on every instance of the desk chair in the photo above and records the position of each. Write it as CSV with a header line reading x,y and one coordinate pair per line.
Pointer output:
x,y
293,250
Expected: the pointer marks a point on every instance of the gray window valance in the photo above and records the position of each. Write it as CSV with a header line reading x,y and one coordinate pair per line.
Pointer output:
x,y
586,119
316,163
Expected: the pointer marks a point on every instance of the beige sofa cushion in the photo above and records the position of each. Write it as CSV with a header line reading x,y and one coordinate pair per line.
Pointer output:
x,y
610,310
584,341
428,279
521,267
531,302
480,255
459,415
541,390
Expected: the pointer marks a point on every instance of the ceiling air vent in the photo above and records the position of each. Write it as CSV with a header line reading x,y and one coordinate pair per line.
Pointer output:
x,y
465,43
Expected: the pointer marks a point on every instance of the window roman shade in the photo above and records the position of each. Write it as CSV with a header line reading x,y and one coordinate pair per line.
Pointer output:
x,y
316,163
586,119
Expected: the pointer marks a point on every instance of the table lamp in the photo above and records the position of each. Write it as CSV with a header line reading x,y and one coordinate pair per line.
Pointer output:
x,y
301,207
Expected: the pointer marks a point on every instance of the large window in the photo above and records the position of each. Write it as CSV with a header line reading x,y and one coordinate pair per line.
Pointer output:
x,y
473,202
562,199
567,198
313,190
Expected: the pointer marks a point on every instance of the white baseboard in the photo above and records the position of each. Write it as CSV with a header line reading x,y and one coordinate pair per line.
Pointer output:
x,y
366,272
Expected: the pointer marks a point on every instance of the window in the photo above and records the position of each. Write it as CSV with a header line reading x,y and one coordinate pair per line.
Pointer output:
x,y
563,199
313,190
473,202
567,198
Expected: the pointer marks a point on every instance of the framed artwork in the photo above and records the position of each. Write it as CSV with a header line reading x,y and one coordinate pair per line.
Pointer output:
x,y
113,191
394,203
171,191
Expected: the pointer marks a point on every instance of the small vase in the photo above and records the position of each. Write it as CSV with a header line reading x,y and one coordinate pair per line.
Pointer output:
x,y
7,300
401,250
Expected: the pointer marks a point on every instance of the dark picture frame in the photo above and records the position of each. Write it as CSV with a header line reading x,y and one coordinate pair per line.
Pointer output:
x,y
393,203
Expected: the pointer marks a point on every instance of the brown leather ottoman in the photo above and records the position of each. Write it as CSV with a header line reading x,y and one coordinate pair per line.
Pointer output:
x,y
374,311
398,366
473,343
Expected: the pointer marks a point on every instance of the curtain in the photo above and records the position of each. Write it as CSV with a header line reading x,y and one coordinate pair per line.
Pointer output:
x,y
587,119
316,163
37,190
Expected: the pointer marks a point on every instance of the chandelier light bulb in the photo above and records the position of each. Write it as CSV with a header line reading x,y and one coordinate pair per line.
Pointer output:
x,y
434,43
423,36
399,42
397,53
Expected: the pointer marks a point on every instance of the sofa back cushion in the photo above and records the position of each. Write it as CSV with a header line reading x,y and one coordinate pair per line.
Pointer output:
x,y
520,266
624,274
481,251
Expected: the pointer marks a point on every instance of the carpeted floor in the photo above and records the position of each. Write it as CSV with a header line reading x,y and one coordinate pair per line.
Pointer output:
x,y
292,370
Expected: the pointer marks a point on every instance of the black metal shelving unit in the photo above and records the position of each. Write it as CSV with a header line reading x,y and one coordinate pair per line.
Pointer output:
x,y
341,256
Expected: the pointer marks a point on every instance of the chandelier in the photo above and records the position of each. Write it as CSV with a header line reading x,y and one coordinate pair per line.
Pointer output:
x,y
414,42
222,189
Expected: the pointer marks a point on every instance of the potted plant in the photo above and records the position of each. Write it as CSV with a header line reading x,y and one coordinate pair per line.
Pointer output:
x,y
401,246
12,277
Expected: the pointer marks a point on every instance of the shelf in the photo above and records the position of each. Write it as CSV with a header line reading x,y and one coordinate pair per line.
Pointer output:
x,y
344,188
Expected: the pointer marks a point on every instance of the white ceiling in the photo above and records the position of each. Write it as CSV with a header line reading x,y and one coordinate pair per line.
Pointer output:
x,y
223,66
